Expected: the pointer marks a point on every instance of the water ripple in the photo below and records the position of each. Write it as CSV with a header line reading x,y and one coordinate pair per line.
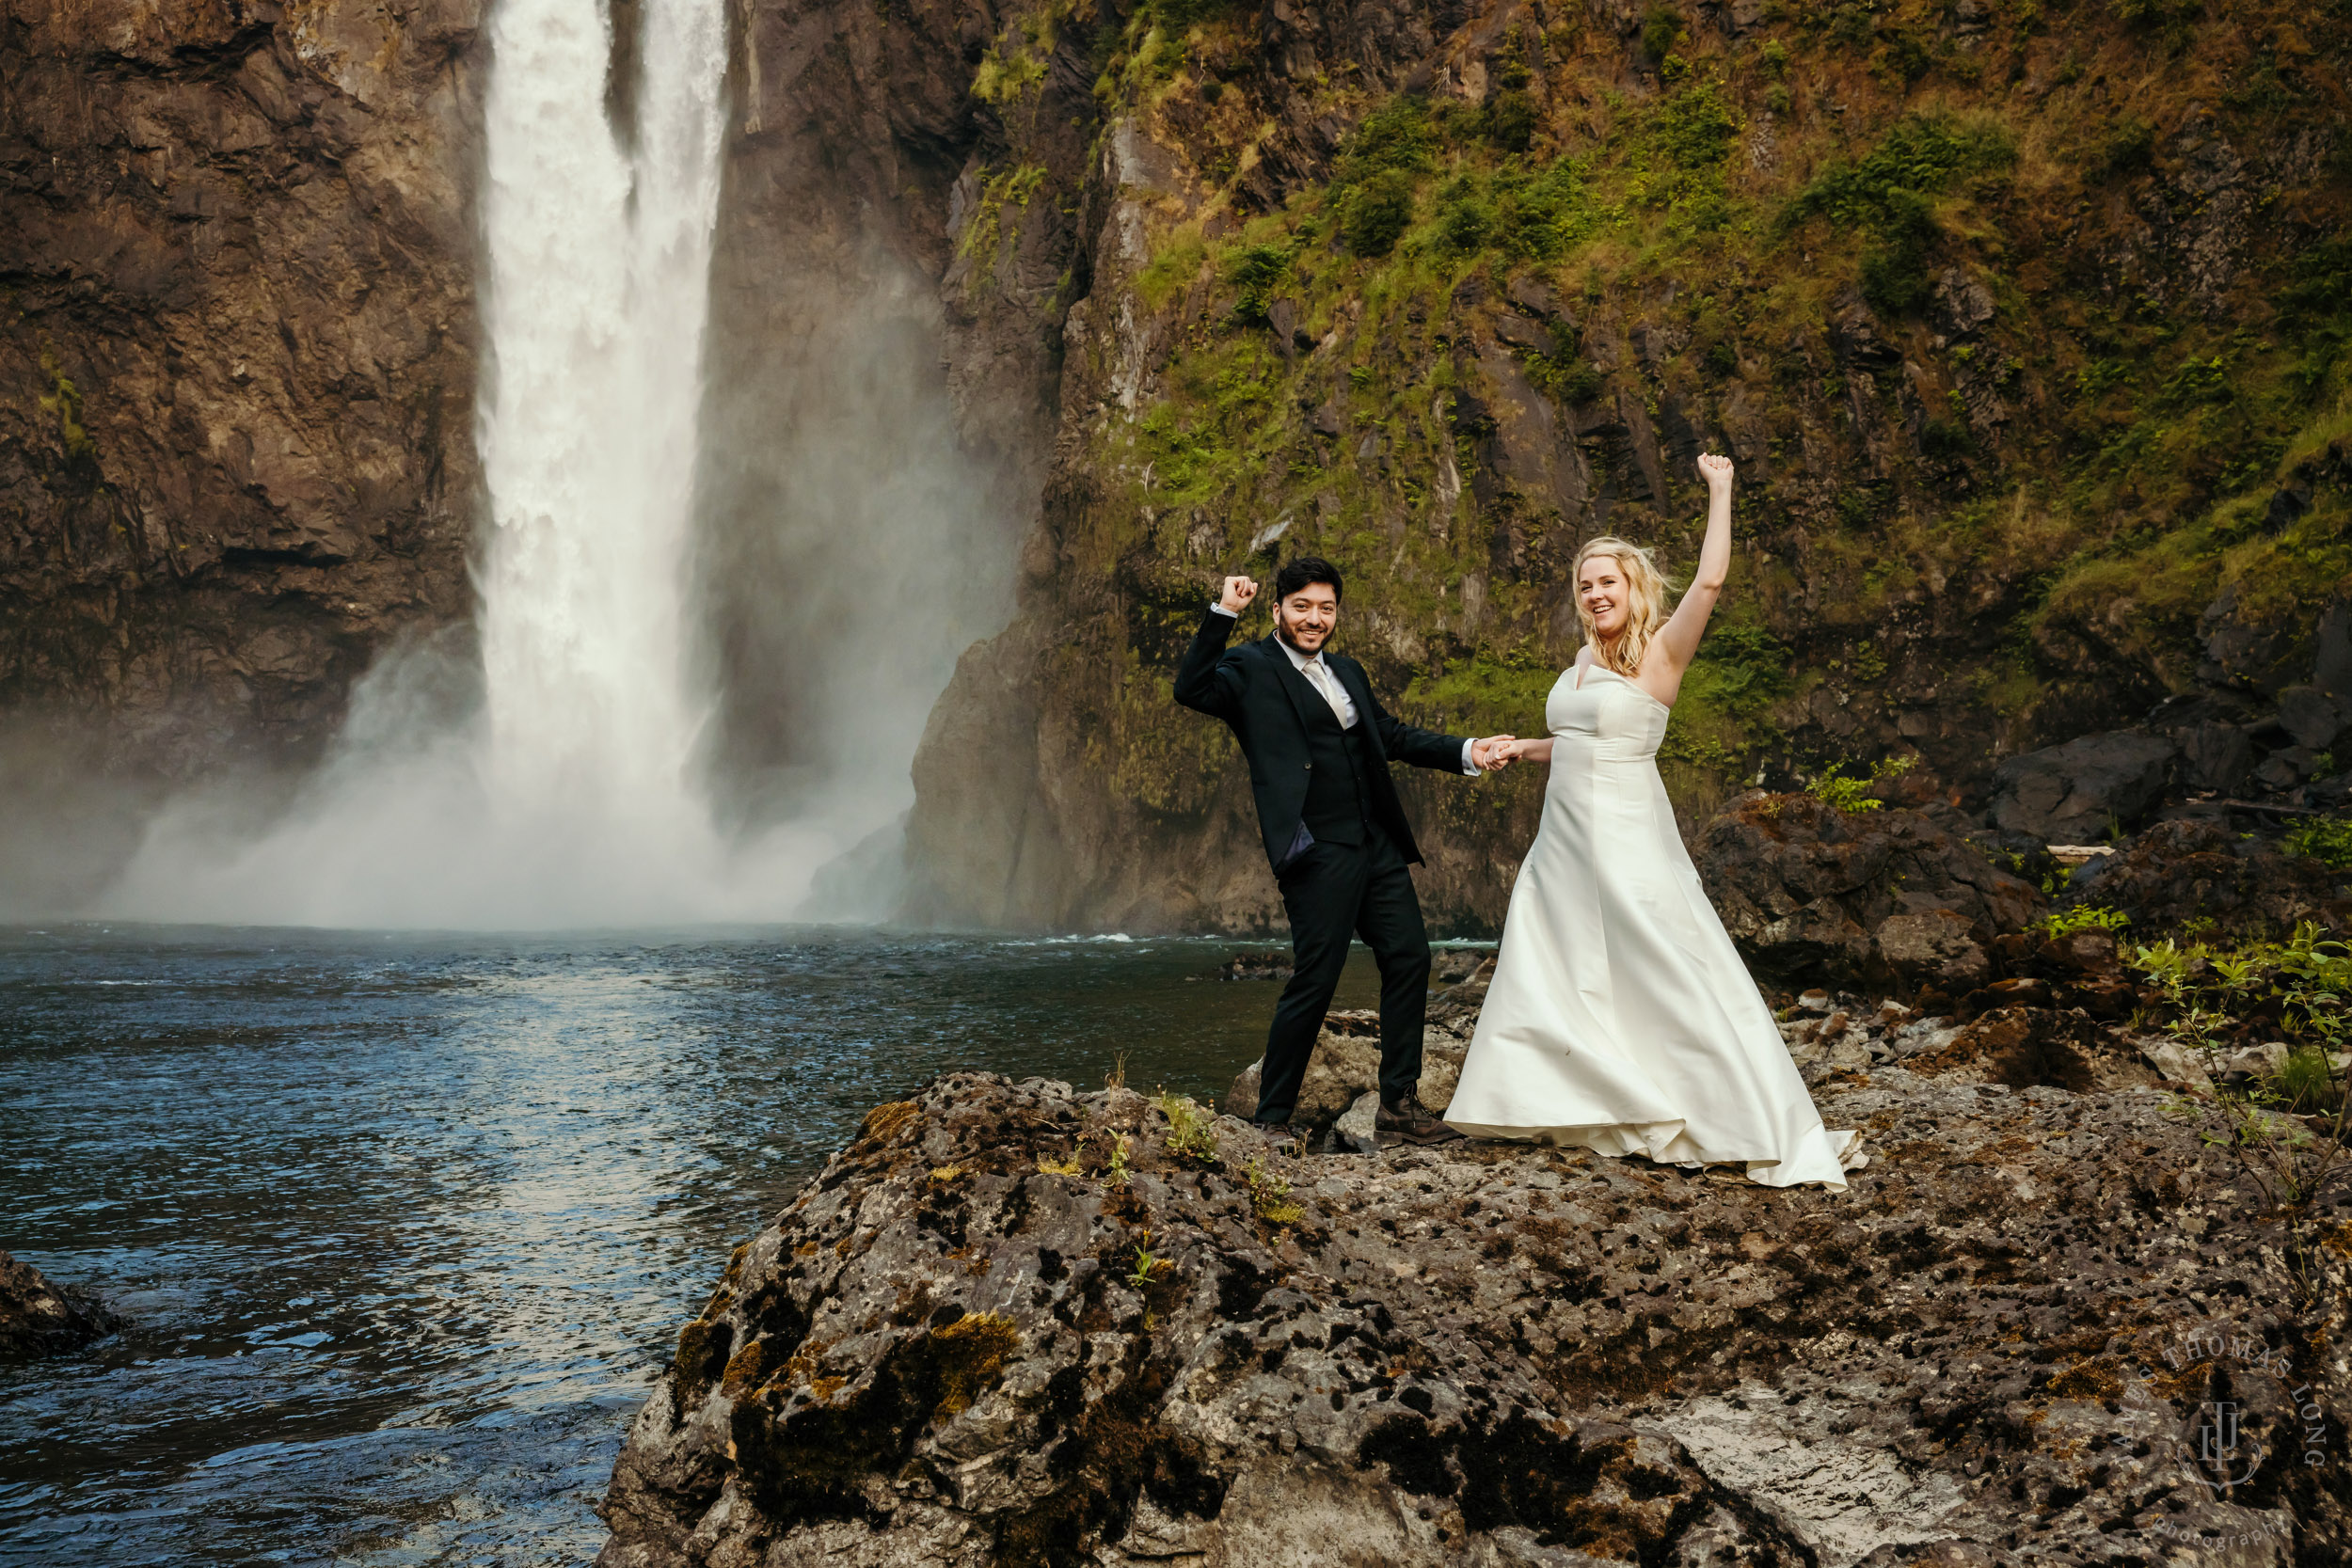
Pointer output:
x,y
404,1224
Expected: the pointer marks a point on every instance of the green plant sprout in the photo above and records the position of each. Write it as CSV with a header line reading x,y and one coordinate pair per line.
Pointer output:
x,y
1189,1136
1832,787
2083,917
1269,1196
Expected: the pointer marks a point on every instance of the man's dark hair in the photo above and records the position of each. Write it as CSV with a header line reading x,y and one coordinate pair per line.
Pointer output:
x,y
1306,569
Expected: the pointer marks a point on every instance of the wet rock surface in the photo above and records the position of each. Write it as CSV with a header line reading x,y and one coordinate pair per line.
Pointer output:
x,y
38,1317
1009,1326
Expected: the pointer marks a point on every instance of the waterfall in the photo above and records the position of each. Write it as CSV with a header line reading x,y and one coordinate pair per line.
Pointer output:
x,y
598,289
565,798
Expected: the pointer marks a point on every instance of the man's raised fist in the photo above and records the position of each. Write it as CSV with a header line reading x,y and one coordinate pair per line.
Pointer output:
x,y
1238,593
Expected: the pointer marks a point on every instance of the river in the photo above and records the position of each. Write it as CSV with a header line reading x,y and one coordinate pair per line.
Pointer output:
x,y
404,1224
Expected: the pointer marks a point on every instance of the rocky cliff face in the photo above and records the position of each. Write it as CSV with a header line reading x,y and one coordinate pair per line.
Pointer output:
x,y
1975,296
238,359
1013,1324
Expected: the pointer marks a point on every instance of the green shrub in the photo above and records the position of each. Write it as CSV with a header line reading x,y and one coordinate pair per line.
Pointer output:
x,y
1908,54
1695,127
1850,24
2305,1082
1511,120
1918,153
2155,14
1177,15
1377,213
1538,216
1945,439
1396,136
1254,269
2327,840
1270,1195
2199,379
1895,270
1832,787
2083,917
2129,144
1189,1134
1660,28
1464,219
1570,377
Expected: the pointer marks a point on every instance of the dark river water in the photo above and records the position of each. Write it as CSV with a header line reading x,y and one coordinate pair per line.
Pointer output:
x,y
404,1224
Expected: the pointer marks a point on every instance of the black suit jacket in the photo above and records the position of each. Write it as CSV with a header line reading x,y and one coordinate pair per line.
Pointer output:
x,y
1259,693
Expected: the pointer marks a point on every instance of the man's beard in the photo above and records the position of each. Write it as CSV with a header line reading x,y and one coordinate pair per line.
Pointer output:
x,y
1282,631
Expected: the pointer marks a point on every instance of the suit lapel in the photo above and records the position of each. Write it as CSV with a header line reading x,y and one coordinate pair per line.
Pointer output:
x,y
1294,683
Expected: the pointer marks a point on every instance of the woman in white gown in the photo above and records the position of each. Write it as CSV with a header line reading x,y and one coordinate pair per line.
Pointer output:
x,y
1620,1018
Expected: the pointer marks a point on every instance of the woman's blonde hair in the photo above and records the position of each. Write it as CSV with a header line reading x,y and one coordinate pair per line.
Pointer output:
x,y
1646,588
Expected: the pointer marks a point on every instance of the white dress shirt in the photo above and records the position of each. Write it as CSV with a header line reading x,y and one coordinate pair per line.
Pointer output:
x,y
1323,679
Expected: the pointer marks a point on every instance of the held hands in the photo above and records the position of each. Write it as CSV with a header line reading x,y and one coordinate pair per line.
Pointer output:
x,y
1238,593
1494,753
1716,469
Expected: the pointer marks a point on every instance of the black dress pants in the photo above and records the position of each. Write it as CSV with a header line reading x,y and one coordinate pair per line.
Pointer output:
x,y
1332,892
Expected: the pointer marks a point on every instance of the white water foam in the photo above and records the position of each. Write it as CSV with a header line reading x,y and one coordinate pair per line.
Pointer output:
x,y
566,800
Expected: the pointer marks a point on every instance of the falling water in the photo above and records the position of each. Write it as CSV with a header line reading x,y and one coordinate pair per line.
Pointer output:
x,y
566,798
598,290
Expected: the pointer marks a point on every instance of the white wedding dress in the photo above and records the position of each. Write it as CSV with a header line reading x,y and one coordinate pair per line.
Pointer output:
x,y
1620,1018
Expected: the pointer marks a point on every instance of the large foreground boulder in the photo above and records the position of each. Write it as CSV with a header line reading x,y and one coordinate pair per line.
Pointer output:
x,y
2081,792
1812,894
1010,1325
41,1318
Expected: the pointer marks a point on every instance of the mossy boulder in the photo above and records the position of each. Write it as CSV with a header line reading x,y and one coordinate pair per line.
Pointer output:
x,y
1506,1355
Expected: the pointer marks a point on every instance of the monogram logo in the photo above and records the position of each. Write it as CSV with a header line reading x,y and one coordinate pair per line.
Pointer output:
x,y
2218,1452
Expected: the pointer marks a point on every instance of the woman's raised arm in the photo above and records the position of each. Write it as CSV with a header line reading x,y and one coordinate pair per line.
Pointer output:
x,y
1677,641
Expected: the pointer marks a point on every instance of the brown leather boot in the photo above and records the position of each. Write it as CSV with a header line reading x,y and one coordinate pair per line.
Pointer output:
x,y
1409,1121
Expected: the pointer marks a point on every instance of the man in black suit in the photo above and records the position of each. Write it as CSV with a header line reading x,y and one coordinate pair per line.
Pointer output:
x,y
1319,745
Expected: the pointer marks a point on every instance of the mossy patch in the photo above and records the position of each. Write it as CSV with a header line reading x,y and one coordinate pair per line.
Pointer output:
x,y
970,1355
703,1347
886,1121
743,1367
2092,1378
